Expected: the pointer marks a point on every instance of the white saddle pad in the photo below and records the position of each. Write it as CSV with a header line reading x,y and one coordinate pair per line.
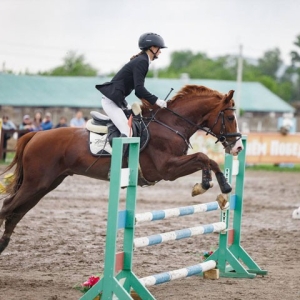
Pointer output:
x,y
99,142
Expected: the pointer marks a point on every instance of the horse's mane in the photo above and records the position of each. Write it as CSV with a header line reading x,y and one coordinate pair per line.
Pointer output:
x,y
188,91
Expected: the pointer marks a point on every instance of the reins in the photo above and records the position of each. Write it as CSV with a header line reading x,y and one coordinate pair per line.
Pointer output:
x,y
222,138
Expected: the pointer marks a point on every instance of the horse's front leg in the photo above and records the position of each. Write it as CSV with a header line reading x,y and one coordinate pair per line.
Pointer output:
x,y
176,167
200,188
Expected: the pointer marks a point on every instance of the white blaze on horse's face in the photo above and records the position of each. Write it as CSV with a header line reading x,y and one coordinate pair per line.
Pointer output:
x,y
238,146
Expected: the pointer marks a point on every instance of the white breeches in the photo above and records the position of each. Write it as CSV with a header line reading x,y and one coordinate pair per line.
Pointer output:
x,y
116,114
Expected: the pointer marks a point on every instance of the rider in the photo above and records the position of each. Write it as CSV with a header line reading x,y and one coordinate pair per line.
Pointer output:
x,y
131,77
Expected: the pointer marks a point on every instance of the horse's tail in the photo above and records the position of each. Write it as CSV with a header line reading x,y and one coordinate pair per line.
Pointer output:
x,y
15,184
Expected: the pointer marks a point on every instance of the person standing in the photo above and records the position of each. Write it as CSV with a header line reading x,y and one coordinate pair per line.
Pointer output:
x,y
47,122
62,122
26,126
7,125
132,77
78,120
37,122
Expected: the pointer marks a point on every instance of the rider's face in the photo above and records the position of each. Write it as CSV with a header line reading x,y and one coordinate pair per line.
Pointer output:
x,y
156,50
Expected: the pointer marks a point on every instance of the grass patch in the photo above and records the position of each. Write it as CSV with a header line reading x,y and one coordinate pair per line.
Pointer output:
x,y
275,168
9,157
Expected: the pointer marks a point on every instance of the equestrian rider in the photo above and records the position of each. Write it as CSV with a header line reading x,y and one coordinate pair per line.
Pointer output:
x,y
131,77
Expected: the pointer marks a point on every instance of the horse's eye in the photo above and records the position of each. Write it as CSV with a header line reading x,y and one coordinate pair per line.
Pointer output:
x,y
231,118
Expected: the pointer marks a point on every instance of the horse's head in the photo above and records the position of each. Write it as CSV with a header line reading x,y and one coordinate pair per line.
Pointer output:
x,y
224,125
197,107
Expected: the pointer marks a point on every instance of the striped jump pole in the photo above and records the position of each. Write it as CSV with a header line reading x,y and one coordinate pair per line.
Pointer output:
x,y
176,212
177,274
178,234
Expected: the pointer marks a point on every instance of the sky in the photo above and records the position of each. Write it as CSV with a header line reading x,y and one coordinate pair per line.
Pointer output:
x,y
35,35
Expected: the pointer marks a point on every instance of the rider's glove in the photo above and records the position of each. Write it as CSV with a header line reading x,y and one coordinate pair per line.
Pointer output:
x,y
161,103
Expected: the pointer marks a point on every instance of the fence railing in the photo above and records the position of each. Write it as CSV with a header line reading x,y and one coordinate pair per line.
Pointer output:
x,y
4,146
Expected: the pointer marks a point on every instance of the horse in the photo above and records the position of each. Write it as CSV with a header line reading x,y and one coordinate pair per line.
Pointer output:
x,y
44,159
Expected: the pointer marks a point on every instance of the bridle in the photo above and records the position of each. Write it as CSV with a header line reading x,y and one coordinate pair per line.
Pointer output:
x,y
221,137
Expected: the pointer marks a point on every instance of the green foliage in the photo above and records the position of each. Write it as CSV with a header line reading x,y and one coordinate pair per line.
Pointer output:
x,y
295,56
270,63
199,65
181,60
74,65
295,69
285,90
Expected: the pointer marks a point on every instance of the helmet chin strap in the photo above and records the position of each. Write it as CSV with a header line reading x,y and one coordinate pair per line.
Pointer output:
x,y
154,53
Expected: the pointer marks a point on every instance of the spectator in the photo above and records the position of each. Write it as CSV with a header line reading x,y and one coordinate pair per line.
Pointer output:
x,y
78,120
26,125
37,122
6,125
62,123
47,122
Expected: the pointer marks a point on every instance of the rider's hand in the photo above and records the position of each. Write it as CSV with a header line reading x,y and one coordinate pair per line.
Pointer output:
x,y
161,103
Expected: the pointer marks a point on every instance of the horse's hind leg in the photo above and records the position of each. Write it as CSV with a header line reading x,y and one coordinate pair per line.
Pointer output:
x,y
201,188
12,212
15,207
10,223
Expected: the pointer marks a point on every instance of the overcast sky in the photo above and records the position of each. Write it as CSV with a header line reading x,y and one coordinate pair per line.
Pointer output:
x,y
37,34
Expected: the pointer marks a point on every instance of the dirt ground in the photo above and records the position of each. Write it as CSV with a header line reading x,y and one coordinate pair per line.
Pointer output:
x,y
60,242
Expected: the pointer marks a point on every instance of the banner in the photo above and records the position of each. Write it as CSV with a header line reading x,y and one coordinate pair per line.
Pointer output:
x,y
275,148
262,148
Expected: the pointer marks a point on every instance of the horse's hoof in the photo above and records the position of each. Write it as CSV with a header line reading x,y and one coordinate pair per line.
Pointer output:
x,y
226,189
198,189
223,202
3,243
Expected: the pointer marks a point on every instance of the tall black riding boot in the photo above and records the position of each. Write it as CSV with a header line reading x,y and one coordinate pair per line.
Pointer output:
x,y
125,147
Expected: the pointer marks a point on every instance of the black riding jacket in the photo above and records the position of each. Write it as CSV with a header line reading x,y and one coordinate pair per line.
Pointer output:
x,y
130,77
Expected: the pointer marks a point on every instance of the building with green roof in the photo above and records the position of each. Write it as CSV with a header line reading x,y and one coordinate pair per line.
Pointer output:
x,y
80,92
22,94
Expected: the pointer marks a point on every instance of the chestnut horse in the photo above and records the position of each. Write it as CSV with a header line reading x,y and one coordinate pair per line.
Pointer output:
x,y
44,159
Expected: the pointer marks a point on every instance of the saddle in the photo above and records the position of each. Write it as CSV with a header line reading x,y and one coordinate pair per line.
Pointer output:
x,y
102,131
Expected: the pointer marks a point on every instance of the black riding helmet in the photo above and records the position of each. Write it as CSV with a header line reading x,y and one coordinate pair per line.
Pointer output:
x,y
150,39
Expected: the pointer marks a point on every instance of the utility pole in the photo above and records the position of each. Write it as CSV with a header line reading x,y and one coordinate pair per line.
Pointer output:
x,y
239,81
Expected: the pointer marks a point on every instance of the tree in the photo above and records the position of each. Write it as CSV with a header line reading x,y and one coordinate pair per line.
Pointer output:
x,y
199,66
270,63
267,73
294,54
74,65
294,70
180,60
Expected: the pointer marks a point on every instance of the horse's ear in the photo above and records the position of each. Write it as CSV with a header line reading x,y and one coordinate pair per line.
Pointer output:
x,y
229,96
